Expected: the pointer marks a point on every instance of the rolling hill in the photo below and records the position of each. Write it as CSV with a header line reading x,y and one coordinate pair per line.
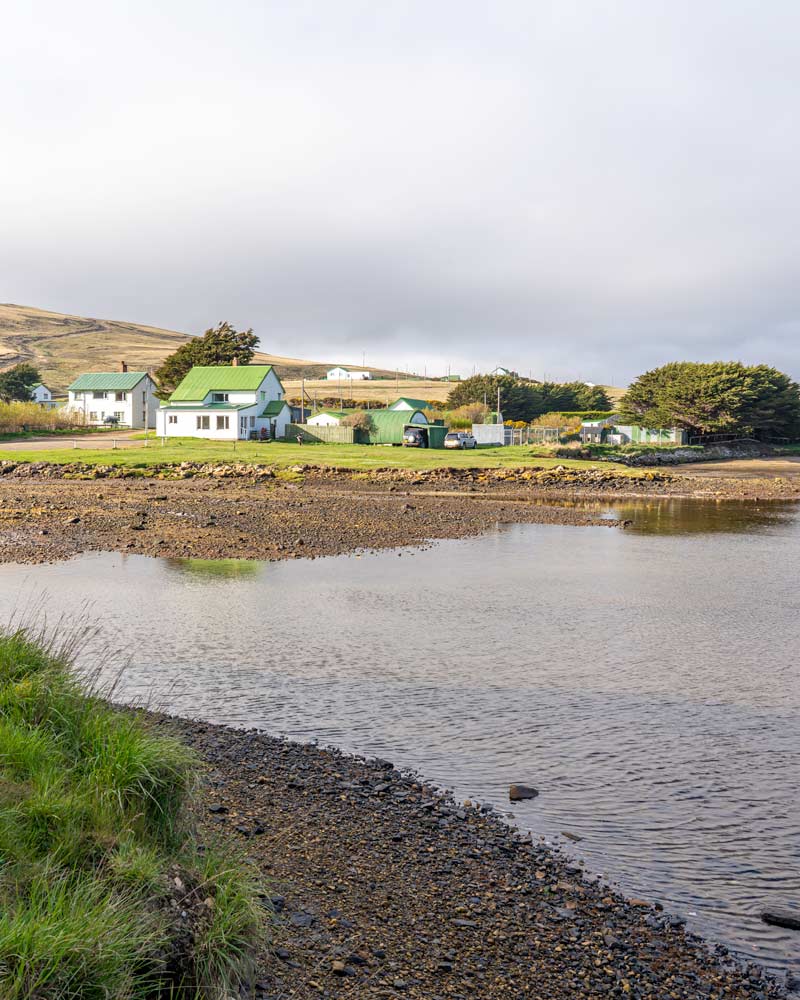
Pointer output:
x,y
63,346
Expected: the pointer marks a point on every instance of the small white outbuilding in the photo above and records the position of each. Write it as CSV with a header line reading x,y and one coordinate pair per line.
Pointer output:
x,y
340,374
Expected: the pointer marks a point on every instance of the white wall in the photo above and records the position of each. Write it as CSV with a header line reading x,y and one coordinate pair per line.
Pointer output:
x,y
175,422
182,422
489,433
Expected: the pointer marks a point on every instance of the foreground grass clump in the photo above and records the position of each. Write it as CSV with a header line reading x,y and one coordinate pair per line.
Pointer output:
x,y
104,891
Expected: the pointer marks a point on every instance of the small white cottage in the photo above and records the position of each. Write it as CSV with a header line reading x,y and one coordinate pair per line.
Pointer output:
x,y
335,374
42,396
226,403
123,398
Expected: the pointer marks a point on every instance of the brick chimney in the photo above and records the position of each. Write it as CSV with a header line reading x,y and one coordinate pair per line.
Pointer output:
x,y
123,366
235,362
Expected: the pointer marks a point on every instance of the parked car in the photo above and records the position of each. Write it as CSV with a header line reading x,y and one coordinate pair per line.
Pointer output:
x,y
413,438
460,439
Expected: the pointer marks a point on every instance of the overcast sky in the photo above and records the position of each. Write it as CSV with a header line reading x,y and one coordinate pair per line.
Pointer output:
x,y
570,187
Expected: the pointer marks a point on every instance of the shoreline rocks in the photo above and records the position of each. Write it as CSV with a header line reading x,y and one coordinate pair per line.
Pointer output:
x,y
386,887
49,512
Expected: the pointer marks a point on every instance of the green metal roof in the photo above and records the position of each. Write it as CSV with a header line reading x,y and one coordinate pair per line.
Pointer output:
x,y
274,407
388,425
339,414
107,381
414,404
202,379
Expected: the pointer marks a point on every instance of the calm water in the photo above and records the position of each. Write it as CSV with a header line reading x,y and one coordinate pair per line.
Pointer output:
x,y
646,681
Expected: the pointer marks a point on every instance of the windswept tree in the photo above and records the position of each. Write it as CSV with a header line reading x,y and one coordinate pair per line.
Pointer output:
x,y
715,397
360,421
219,345
17,384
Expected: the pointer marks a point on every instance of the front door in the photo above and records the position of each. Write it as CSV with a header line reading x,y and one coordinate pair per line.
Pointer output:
x,y
242,427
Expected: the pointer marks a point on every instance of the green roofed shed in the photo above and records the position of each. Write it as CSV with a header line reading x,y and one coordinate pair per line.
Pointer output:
x,y
388,425
107,382
202,379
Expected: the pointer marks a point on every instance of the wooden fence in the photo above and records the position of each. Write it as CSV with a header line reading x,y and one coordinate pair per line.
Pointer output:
x,y
328,435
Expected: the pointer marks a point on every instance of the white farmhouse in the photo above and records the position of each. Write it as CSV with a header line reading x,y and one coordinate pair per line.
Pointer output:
x,y
345,373
124,398
226,403
42,396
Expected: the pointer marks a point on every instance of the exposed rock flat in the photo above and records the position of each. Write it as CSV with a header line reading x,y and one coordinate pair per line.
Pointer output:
x,y
382,887
51,512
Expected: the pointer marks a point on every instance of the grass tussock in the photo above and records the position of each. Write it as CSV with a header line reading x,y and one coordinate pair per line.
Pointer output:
x,y
104,890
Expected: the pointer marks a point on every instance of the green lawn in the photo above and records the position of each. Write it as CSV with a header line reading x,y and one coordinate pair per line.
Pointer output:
x,y
283,453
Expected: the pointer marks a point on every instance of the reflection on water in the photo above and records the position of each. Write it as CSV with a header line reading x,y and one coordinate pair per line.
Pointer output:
x,y
693,517
644,680
215,569
689,516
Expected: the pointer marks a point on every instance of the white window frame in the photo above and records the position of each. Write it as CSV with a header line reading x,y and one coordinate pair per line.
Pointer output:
x,y
203,422
223,422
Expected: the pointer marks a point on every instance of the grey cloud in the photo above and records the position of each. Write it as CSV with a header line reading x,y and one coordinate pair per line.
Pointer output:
x,y
578,188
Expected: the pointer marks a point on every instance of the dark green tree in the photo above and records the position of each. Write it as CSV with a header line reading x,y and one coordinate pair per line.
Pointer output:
x,y
715,397
218,346
524,399
16,384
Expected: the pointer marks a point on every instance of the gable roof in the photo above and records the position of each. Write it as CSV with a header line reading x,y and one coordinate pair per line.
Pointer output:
x,y
107,382
274,407
414,404
202,379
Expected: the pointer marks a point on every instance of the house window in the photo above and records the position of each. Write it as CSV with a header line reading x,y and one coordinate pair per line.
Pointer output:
x,y
98,395
222,422
119,416
93,416
219,397
120,397
203,423
252,421
172,418
144,396
262,395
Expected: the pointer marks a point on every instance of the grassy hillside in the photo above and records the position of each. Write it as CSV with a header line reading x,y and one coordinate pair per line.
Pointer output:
x,y
63,346
380,390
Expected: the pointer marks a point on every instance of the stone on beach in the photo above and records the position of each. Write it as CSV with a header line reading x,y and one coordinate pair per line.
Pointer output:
x,y
782,917
519,792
